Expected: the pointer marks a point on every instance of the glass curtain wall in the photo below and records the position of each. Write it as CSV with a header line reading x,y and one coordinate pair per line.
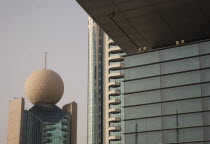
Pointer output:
x,y
95,83
167,96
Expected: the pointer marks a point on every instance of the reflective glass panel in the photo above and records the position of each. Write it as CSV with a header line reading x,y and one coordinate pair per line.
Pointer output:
x,y
142,59
205,75
142,125
184,106
141,72
205,47
205,61
179,52
143,84
181,92
180,65
143,111
142,98
180,79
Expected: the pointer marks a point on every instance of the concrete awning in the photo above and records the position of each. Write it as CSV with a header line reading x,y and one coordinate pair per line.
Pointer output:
x,y
134,24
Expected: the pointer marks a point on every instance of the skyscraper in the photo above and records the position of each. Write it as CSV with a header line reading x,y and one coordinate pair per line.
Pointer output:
x,y
105,88
44,122
95,83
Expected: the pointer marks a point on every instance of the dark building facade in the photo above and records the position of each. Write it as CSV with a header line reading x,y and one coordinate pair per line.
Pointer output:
x,y
46,124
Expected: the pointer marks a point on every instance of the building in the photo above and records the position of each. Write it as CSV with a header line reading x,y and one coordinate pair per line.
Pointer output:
x,y
44,122
166,67
95,83
167,95
113,93
105,88
135,24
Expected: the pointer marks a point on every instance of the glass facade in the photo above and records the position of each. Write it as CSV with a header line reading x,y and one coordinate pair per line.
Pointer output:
x,y
46,124
167,96
95,84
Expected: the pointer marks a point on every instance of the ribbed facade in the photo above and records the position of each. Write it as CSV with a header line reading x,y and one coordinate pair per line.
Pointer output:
x,y
115,75
32,129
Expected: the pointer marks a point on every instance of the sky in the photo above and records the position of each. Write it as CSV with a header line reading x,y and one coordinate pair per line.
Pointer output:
x,y
29,28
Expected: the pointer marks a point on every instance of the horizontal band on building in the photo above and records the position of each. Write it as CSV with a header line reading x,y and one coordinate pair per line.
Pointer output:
x,y
159,62
168,74
166,87
161,102
202,111
166,129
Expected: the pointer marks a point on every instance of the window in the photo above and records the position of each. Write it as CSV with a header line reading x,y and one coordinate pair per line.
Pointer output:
x,y
141,72
183,135
179,52
206,103
207,133
205,61
142,125
143,111
206,89
142,98
184,106
142,59
180,79
144,84
181,92
204,47
144,138
205,75
186,120
180,65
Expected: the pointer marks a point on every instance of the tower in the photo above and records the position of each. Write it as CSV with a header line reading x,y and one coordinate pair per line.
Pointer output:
x,y
44,122
105,89
95,83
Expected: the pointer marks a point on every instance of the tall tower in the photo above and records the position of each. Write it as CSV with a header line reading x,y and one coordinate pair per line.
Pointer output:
x,y
105,97
95,83
44,122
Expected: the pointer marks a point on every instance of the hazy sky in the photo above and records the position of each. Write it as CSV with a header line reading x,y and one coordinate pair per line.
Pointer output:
x,y
28,28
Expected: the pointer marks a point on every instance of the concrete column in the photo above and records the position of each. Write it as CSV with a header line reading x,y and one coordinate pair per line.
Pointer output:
x,y
15,123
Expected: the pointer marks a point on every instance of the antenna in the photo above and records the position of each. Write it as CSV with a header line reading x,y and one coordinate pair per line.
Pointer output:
x,y
45,61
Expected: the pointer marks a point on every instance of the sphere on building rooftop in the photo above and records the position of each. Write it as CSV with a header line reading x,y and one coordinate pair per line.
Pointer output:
x,y
44,87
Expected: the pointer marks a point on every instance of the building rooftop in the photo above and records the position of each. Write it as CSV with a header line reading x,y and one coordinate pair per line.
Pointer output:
x,y
135,24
